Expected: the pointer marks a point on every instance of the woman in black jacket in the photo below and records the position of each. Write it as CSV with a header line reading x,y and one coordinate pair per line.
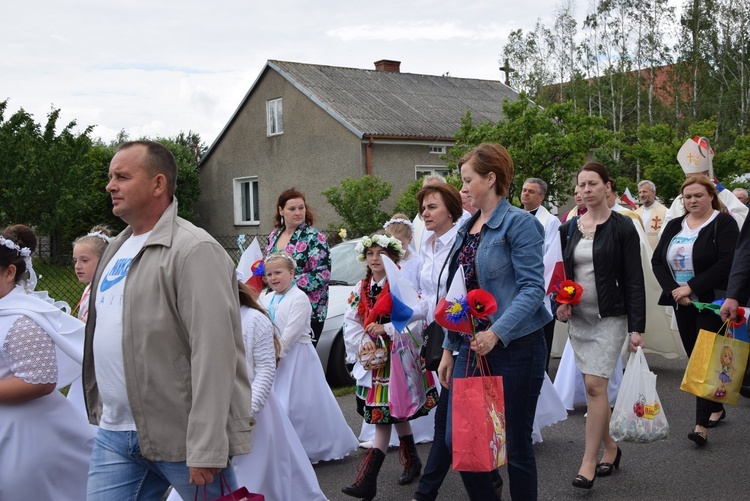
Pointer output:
x,y
601,252
692,263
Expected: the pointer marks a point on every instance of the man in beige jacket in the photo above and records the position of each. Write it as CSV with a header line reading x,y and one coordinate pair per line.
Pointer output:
x,y
164,370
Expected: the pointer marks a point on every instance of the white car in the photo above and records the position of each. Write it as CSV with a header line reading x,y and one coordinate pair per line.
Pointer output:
x,y
346,271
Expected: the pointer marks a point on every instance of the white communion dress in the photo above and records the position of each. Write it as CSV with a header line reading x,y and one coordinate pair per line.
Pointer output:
x,y
300,384
45,444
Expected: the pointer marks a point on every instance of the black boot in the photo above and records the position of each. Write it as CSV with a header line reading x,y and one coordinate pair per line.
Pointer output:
x,y
365,485
407,455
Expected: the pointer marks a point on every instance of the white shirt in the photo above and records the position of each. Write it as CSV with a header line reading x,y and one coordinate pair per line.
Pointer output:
x,y
411,267
108,361
435,252
290,313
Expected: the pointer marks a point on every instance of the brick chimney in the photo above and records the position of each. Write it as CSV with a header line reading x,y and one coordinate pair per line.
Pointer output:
x,y
388,65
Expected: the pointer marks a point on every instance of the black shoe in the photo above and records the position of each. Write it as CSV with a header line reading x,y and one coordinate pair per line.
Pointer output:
x,y
583,483
714,424
498,485
699,437
365,485
407,454
605,469
745,391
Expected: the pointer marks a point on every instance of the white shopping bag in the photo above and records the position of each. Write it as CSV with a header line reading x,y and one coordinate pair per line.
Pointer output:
x,y
638,415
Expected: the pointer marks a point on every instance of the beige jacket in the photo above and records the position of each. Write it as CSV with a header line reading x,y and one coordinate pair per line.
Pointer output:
x,y
182,347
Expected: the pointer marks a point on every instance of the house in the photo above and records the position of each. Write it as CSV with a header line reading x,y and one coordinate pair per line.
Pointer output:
x,y
310,126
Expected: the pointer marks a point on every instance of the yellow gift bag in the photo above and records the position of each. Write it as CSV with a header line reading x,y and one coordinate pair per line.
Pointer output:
x,y
716,366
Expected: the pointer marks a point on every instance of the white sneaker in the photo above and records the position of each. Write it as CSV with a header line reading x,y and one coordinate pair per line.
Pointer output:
x,y
366,445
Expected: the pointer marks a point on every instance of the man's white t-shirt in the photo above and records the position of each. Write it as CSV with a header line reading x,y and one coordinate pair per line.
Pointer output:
x,y
108,362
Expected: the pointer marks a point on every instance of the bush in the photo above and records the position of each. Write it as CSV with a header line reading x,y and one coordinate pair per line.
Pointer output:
x,y
358,203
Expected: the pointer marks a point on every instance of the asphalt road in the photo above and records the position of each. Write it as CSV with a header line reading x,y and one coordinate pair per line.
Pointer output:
x,y
672,469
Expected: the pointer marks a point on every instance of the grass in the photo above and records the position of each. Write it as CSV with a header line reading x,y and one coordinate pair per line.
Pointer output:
x,y
59,281
343,391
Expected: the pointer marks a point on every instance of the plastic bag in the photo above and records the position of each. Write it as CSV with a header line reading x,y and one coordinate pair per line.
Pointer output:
x,y
638,415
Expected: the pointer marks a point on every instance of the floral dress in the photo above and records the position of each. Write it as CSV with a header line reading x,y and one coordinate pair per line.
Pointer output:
x,y
372,399
309,248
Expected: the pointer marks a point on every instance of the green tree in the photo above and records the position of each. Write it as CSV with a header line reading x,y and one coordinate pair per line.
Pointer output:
x,y
358,202
406,202
549,143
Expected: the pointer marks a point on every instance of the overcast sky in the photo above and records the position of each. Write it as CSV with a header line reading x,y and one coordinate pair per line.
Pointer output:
x,y
156,67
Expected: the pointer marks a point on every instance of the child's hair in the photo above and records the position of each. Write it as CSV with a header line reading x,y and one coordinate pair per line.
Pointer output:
x,y
97,239
726,350
399,224
17,243
246,299
289,261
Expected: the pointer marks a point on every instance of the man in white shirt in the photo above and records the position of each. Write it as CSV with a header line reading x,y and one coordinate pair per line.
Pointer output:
x,y
532,194
164,370
652,212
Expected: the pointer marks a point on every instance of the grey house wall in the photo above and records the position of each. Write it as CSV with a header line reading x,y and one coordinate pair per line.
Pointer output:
x,y
314,153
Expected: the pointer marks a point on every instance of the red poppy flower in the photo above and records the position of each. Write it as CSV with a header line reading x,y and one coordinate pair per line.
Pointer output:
x,y
481,303
741,316
568,292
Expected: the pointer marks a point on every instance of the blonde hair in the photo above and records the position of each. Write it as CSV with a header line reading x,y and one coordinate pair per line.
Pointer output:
x,y
399,223
290,263
97,239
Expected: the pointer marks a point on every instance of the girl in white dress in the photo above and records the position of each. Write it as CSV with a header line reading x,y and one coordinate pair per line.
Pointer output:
x,y
87,250
46,444
300,383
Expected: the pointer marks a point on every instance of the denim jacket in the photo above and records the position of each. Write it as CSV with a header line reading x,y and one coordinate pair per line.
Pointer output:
x,y
509,264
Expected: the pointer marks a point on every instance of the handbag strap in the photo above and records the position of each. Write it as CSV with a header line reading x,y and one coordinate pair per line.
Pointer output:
x,y
222,482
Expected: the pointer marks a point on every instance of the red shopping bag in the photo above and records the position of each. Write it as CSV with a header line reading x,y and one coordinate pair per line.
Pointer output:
x,y
478,423
241,494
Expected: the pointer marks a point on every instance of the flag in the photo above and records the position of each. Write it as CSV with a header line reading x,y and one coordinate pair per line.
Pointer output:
x,y
627,197
452,311
403,294
554,271
250,264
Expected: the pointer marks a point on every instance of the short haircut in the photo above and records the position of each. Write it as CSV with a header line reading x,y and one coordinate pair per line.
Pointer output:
x,y
649,184
491,157
542,184
742,190
448,194
429,178
159,160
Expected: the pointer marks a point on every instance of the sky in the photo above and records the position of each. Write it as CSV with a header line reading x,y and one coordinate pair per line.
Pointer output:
x,y
155,68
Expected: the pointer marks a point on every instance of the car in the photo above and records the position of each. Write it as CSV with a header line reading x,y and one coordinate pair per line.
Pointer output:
x,y
346,271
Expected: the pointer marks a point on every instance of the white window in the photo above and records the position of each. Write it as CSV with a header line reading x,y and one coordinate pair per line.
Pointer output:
x,y
246,201
438,150
274,117
425,170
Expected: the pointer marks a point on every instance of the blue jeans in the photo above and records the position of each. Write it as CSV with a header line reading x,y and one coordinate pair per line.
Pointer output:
x,y
119,471
521,364
439,461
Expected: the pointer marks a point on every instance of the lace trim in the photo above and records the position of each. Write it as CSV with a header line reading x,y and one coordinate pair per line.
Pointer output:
x,y
30,352
587,234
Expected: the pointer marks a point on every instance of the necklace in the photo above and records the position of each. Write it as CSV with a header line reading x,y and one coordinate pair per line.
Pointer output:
x,y
587,234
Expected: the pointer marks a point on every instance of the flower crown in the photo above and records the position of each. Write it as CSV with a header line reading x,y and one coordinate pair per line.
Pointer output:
x,y
22,251
99,234
384,241
399,220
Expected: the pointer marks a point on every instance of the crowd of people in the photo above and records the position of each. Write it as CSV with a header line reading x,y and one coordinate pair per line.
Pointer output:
x,y
182,377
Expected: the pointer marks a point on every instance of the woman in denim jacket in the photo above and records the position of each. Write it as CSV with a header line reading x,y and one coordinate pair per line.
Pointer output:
x,y
500,249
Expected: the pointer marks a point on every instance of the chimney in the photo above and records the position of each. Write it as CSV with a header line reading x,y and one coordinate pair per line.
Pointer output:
x,y
388,65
